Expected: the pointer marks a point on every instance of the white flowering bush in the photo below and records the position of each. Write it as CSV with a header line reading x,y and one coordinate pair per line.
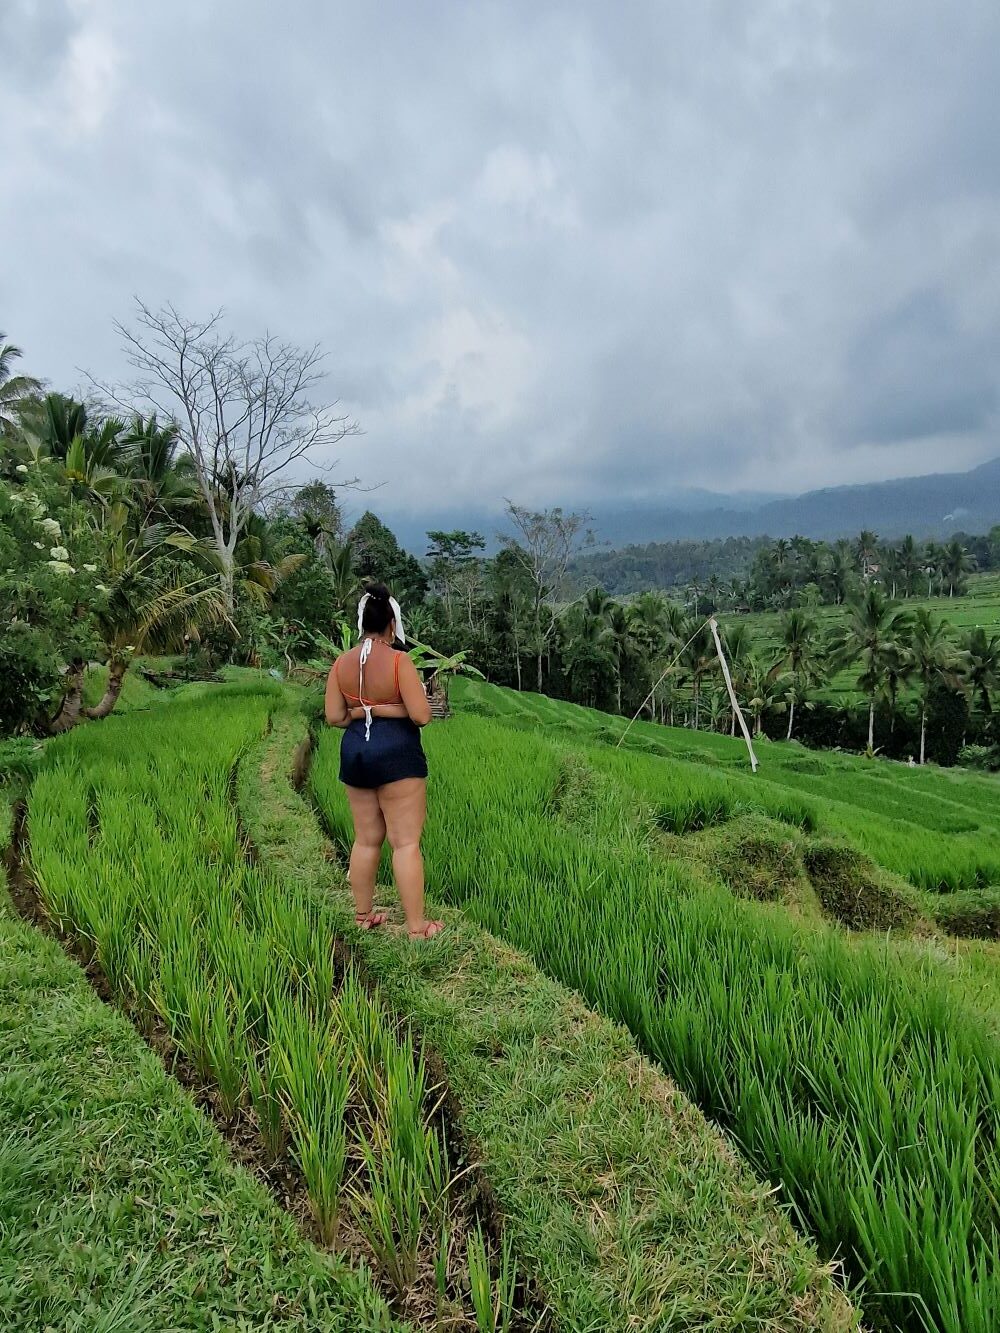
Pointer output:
x,y
48,602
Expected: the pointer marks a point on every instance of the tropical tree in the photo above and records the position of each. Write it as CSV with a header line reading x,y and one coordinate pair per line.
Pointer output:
x,y
982,665
698,658
801,658
15,390
955,564
911,559
935,660
866,549
874,631
161,475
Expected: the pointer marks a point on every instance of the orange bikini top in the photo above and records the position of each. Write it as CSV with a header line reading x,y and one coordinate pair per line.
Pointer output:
x,y
359,699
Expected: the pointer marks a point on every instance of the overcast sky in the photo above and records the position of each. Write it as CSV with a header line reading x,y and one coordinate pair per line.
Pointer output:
x,y
562,252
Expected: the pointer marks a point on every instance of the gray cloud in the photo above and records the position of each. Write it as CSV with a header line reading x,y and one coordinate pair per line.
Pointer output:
x,y
555,250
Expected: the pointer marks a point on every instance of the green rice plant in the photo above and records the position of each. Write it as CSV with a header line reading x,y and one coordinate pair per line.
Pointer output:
x,y
389,1213
228,1056
266,1097
492,1298
315,1086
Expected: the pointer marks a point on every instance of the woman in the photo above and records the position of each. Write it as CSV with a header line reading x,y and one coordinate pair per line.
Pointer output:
x,y
375,693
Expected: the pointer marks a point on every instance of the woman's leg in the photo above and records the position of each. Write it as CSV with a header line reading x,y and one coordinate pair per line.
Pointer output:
x,y
404,807
369,835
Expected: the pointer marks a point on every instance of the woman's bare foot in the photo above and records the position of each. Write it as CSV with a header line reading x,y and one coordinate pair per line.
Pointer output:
x,y
427,931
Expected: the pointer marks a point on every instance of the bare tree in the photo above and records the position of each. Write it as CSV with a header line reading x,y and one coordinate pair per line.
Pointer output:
x,y
544,545
243,411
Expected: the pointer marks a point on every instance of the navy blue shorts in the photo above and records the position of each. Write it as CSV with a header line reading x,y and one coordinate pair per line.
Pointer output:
x,y
392,752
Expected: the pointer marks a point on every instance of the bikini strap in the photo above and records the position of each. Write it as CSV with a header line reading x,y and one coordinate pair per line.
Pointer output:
x,y
396,676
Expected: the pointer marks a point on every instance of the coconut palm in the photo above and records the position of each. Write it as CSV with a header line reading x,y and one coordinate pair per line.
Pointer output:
x,y
911,558
15,390
621,642
587,647
982,665
800,658
935,660
162,478
150,603
955,564
874,631
866,550
697,659
767,688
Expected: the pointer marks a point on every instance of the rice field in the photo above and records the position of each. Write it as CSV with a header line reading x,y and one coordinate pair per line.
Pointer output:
x,y
137,855
937,828
853,1078
980,607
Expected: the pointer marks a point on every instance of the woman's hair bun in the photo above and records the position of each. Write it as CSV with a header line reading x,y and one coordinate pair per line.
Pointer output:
x,y
378,592
378,611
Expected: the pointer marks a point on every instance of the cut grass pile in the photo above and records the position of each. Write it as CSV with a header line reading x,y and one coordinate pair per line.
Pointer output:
x,y
138,859
857,1083
120,1208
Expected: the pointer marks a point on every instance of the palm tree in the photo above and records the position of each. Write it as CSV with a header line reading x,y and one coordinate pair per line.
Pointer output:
x,y
935,659
162,479
955,564
840,575
738,645
588,643
866,549
620,639
983,665
15,390
698,658
891,569
874,631
800,658
767,687
933,556
910,562
899,668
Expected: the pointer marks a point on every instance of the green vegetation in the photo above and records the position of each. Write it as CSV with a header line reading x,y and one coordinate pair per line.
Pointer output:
x,y
850,1075
614,1191
121,1208
137,856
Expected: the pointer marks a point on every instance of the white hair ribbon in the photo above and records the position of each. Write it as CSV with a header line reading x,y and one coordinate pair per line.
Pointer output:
x,y
396,612
398,616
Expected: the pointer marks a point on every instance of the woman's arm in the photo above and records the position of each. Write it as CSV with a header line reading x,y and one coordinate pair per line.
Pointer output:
x,y
412,692
337,712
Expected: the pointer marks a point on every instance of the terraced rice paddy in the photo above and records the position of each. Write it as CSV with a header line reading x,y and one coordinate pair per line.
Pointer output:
x,y
850,1075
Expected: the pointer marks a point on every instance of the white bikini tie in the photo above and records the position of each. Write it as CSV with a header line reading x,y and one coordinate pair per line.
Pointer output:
x,y
366,652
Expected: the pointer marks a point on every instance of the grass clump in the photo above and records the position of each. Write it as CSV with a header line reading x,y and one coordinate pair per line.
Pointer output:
x,y
757,859
973,913
853,891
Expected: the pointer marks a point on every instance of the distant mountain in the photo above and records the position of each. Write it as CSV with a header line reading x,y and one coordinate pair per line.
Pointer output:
x,y
930,506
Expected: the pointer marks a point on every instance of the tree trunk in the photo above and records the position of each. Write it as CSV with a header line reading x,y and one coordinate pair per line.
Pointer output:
x,y
618,690
791,718
116,678
71,707
871,725
923,732
694,709
539,685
